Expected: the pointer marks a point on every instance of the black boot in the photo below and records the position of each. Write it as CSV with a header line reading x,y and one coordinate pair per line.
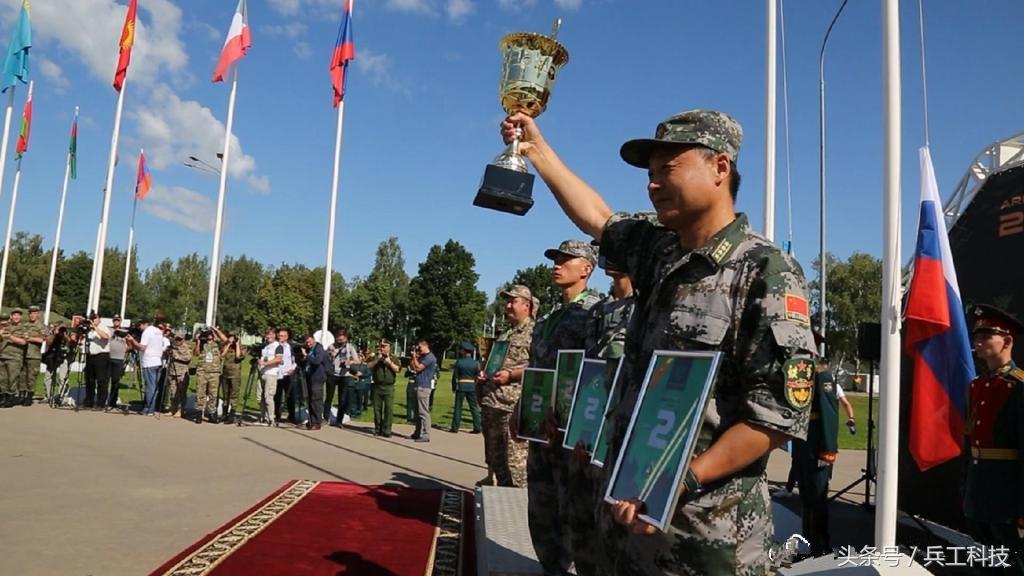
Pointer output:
x,y
27,401
198,418
3,400
11,401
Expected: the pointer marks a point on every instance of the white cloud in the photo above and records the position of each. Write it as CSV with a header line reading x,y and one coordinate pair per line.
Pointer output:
x,y
294,7
302,49
172,129
457,10
420,6
569,4
181,206
286,30
374,65
516,5
91,29
55,74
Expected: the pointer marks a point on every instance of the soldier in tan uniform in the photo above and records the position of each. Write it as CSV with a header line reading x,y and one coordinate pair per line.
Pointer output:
x,y
499,393
177,374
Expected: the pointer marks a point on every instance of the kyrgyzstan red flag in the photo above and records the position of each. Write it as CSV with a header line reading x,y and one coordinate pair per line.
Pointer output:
x,y
26,124
127,41
143,181
344,52
237,43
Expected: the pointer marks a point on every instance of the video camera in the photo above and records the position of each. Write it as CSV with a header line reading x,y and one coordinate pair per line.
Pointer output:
x,y
82,323
203,332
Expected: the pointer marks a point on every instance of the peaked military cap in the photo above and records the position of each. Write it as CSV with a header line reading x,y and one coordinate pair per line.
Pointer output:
x,y
33,309
985,318
574,248
710,128
468,347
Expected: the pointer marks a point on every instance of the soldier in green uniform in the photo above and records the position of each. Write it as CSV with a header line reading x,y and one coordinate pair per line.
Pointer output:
x,y
994,490
814,457
464,375
547,467
12,359
35,335
382,392
705,281
232,356
177,374
499,391
208,371
5,392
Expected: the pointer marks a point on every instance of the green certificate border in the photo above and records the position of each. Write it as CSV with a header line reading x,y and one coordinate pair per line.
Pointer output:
x,y
663,431
591,396
567,372
539,392
496,359
601,446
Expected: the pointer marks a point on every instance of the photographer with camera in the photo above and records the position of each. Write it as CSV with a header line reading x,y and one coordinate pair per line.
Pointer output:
x,y
270,363
341,355
316,374
382,392
118,351
231,375
59,344
178,356
97,361
208,369
424,366
152,345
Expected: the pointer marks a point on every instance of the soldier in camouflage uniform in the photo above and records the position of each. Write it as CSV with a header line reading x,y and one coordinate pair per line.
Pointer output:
x,y
177,374
35,335
12,359
547,467
704,281
505,455
208,368
606,338
5,393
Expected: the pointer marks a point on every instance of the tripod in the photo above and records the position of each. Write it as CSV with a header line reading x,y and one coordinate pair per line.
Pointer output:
x,y
867,476
80,351
254,374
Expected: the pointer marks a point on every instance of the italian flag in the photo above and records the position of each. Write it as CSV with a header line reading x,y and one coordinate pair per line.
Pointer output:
x,y
237,44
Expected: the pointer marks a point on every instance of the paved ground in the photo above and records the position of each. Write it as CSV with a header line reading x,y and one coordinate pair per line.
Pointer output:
x,y
91,493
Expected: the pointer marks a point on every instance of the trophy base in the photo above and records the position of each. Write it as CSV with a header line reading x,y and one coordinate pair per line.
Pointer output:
x,y
505,190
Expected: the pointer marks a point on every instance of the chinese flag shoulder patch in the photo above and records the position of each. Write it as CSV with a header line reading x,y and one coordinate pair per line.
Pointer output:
x,y
797,309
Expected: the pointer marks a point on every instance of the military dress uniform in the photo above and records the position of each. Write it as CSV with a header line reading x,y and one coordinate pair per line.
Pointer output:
x,y
177,375
33,356
505,455
549,503
207,379
464,375
994,483
814,459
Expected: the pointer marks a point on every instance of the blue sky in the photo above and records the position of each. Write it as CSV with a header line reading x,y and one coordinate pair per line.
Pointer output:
x,y
422,115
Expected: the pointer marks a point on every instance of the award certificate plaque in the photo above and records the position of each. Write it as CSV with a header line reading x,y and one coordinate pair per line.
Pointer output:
x,y
535,403
567,372
496,359
588,405
604,432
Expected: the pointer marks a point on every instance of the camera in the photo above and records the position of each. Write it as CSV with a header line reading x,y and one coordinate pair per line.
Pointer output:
x,y
203,333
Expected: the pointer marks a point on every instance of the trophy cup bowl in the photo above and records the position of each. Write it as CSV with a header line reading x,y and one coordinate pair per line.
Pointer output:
x,y
531,62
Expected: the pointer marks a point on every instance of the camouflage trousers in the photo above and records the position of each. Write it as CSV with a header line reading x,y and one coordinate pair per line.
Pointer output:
x,y
29,375
206,392
232,390
727,530
177,390
586,495
548,507
505,456
10,372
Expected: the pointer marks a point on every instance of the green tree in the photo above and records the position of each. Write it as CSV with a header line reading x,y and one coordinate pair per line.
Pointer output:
x,y
113,284
71,283
539,279
443,300
853,294
28,271
290,298
378,305
178,290
240,280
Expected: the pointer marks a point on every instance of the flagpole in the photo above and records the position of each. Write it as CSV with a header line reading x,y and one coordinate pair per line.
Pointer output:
x,y
10,228
97,273
769,119
889,389
128,256
56,240
330,227
6,139
211,293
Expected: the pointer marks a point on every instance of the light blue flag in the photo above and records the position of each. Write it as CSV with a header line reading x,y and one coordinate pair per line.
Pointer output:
x,y
16,63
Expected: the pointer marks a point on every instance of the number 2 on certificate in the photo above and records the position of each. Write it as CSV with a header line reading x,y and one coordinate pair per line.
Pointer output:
x,y
657,439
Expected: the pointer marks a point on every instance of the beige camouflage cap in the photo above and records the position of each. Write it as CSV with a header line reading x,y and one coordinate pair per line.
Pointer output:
x,y
711,128
517,291
574,248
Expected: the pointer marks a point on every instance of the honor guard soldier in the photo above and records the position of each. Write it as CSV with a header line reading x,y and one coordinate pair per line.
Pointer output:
x,y
12,359
547,466
35,334
814,458
464,375
994,491
705,281
499,392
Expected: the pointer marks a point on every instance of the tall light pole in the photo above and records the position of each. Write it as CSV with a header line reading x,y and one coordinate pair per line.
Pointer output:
x,y
821,175
205,167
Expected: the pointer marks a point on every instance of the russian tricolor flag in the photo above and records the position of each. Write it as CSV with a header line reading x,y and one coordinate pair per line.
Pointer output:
x,y
936,337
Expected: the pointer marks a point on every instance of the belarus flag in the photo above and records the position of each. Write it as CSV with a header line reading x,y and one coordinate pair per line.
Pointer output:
x,y
936,337
26,124
237,43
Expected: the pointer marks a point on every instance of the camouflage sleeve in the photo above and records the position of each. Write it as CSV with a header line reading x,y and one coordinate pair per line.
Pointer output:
x,y
519,341
629,240
595,330
776,347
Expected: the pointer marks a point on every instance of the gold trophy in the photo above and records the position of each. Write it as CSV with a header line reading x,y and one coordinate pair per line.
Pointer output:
x,y
530,63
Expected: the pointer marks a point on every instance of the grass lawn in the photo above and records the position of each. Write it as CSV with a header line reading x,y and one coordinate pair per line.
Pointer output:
x,y
858,441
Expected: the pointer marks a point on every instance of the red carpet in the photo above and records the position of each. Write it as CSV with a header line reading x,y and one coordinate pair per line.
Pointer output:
x,y
335,528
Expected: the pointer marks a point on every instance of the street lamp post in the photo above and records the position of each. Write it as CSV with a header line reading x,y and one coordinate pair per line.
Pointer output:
x,y
205,167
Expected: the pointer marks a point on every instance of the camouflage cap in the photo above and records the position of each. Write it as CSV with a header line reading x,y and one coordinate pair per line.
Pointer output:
x,y
4,317
34,309
517,291
16,311
715,130
574,248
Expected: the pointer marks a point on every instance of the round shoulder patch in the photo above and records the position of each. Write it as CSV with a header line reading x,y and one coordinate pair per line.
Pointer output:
x,y
798,374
